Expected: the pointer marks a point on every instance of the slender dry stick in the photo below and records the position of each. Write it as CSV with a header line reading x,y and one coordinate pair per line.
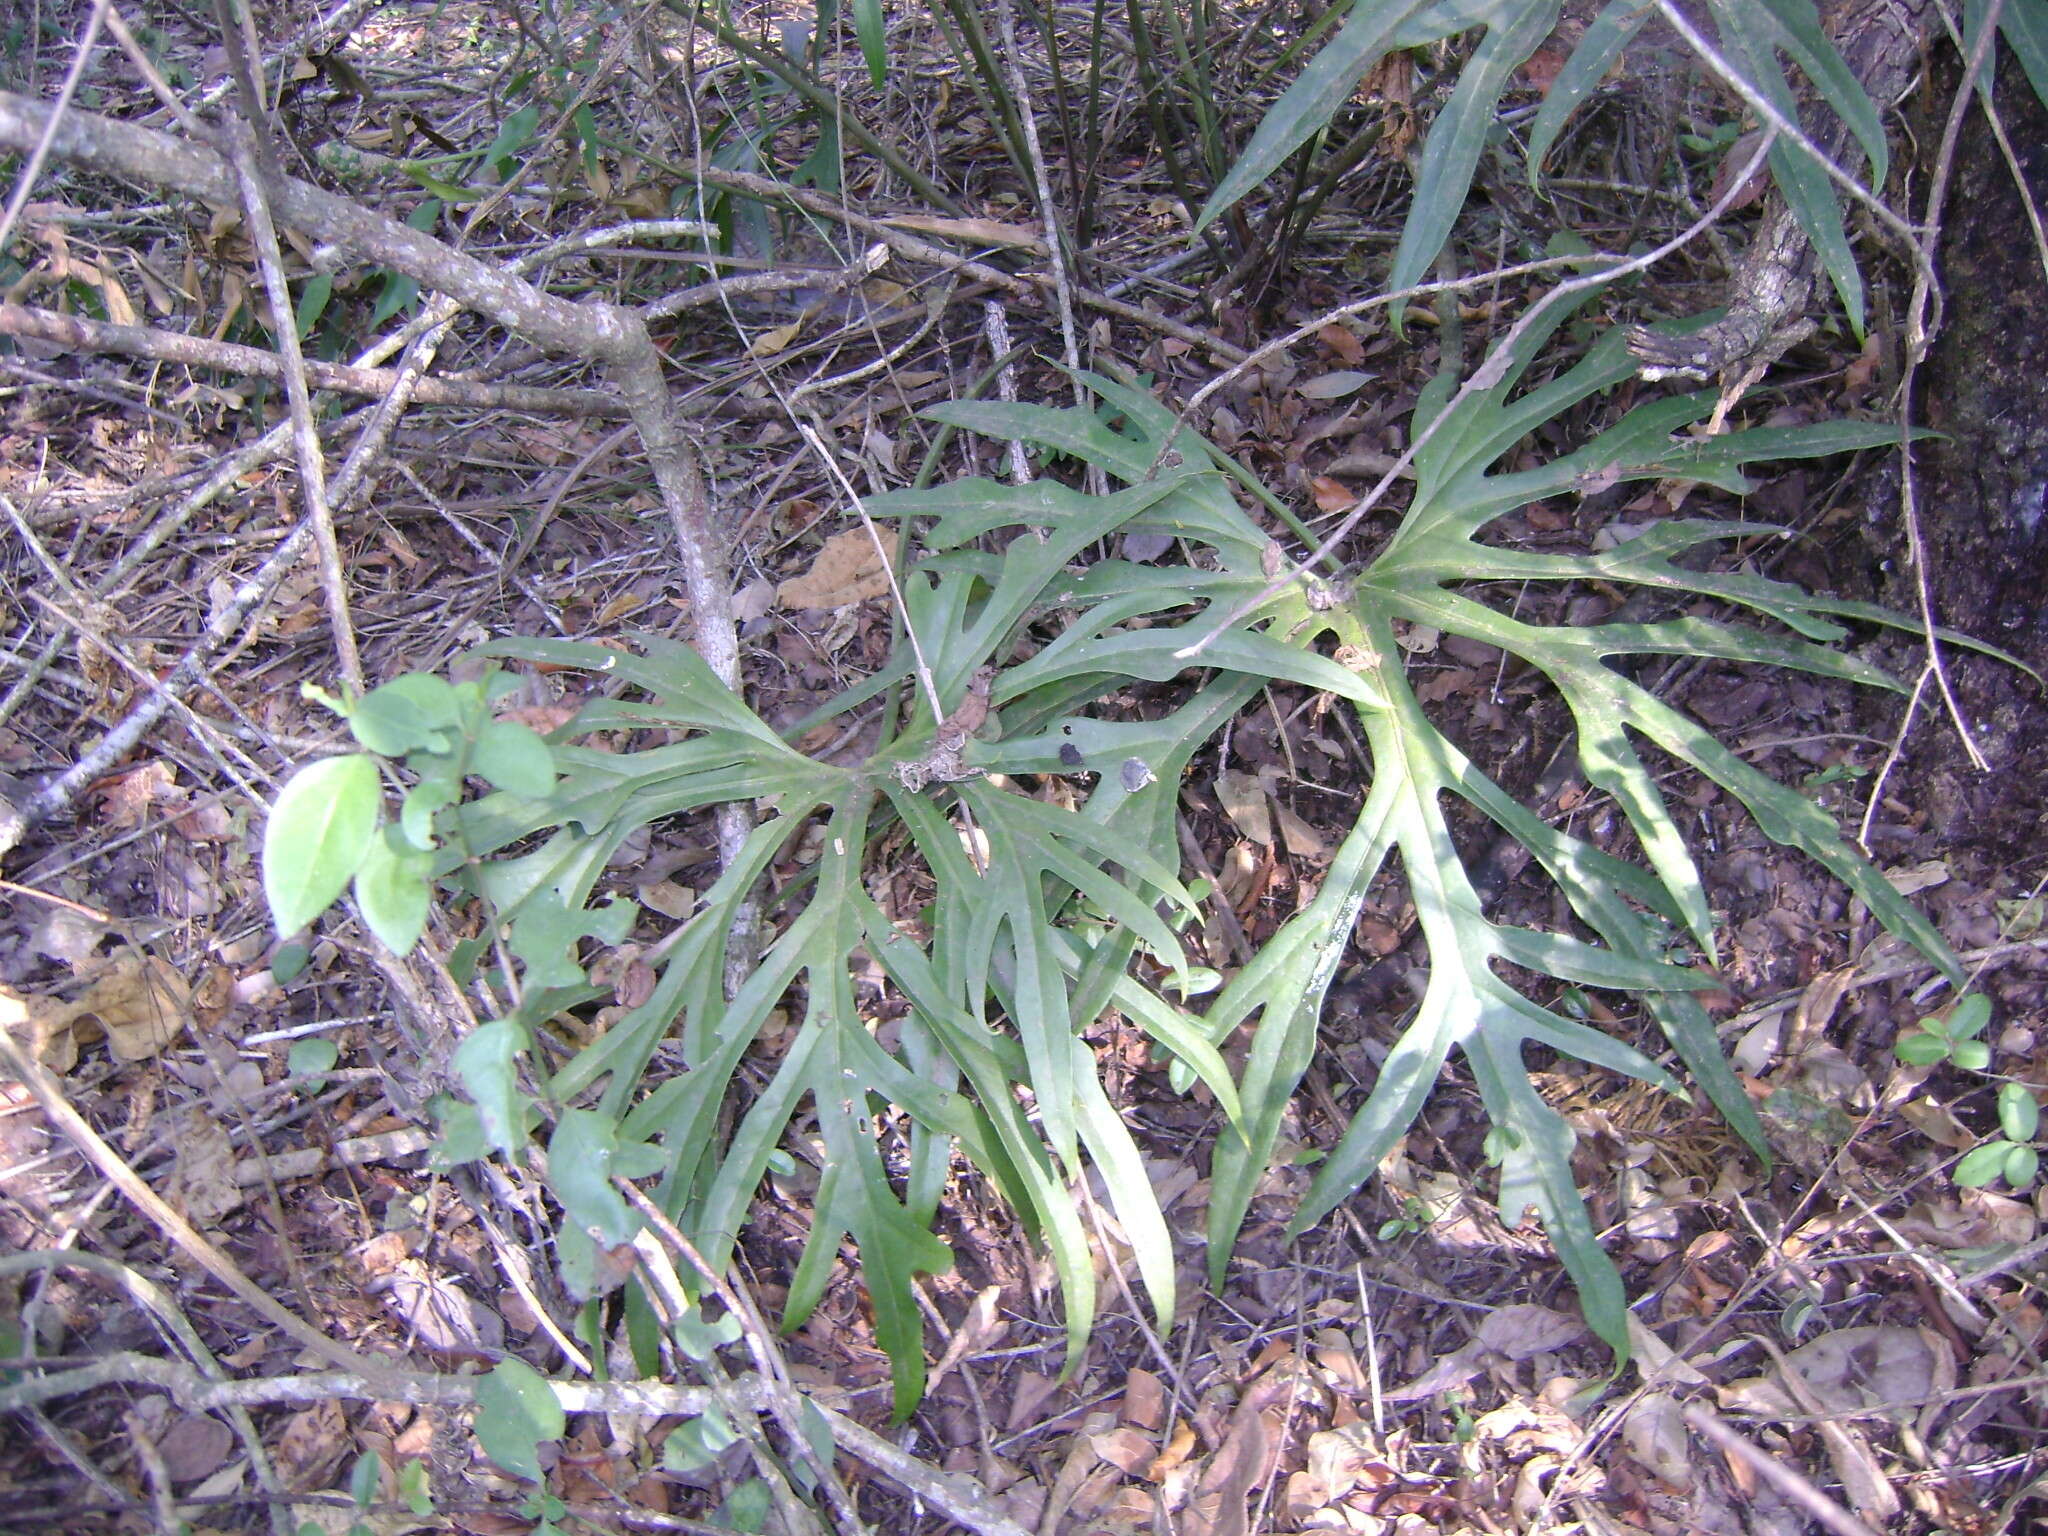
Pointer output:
x,y
188,1239
41,147
768,1361
226,622
1917,339
1891,758
959,1498
141,63
154,1300
80,333
995,325
1777,1472
663,1286
1048,211
615,337
243,150
1484,377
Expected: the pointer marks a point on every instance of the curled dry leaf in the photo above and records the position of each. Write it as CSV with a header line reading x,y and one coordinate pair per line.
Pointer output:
x,y
1853,1372
308,1451
202,1180
195,1446
1655,1435
138,1008
1144,1400
1243,799
439,1315
847,571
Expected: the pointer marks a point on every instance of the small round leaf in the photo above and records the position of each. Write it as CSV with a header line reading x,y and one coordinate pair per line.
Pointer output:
x,y
2019,1116
2021,1164
391,890
309,1058
289,962
1970,1055
1969,1016
1980,1165
319,830
1917,1048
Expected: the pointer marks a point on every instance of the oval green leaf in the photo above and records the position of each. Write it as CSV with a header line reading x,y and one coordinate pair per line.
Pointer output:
x,y
1980,1165
516,1409
408,714
1970,1055
392,893
1918,1048
515,759
309,1058
319,831
2019,1116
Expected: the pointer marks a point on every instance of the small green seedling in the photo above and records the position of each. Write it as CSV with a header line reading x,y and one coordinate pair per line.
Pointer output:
x,y
2012,1156
1951,1037
328,831
1414,1218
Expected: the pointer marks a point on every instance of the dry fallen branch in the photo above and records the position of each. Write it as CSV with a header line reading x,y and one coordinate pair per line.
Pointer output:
x,y
602,333
76,333
959,1498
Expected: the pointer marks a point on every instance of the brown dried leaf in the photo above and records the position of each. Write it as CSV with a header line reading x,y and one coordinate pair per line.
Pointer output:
x,y
142,1009
1179,1447
1302,840
1870,1492
440,1315
1655,1435
196,1446
125,798
1334,385
1342,344
1144,1400
1127,1449
768,343
847,571
1243,799
309,1450
202,1180
1332,495
1853,1371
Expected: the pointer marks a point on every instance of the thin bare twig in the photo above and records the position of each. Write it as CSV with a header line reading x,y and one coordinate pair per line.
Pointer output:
x,y
958,1498
1041,183
44,142
604,333
80,333
245,150
1777,1472
182,1234
1917,339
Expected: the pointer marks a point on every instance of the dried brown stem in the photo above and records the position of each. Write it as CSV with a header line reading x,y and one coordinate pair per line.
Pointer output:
x,y
76,333
603,333
959,1498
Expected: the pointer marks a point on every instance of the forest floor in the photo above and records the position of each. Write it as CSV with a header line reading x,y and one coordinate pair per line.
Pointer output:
x,y
1859,1327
